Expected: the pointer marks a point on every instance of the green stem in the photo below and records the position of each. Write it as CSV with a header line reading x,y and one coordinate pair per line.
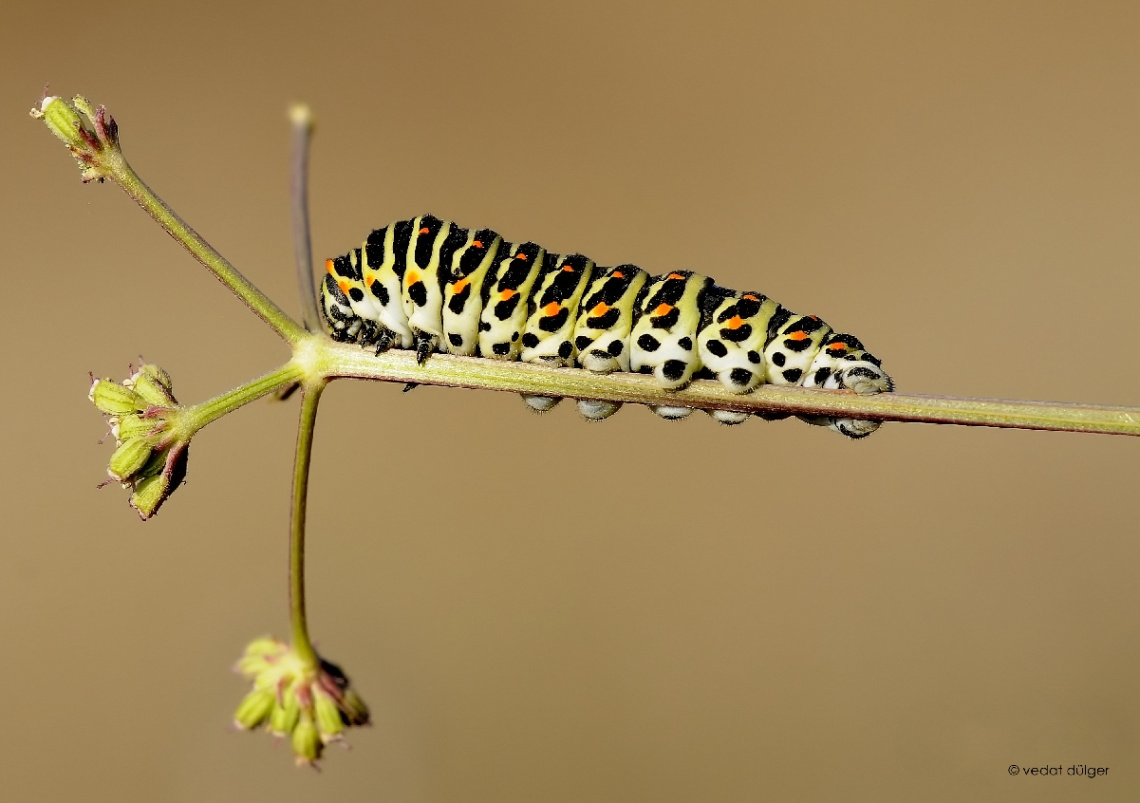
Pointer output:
x,y
345,360
301,644
301,119
199,415
118,170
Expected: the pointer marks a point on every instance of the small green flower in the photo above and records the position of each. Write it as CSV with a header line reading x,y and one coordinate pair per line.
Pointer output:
x,y
311,705
143,415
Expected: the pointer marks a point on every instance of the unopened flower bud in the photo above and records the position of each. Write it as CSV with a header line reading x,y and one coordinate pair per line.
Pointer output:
x,y
255,708
327,714
157,373
63,121
306,742
152,384
355,711
149,494
129,459
286,714
114,399
134,426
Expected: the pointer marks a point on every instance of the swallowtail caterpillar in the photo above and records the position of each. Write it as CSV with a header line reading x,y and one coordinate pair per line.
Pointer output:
x,y
427,284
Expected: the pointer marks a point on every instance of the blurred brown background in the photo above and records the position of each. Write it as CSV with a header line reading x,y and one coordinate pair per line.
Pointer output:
x,y
678,612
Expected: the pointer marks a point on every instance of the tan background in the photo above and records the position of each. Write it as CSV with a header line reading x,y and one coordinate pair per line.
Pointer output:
x,y
538,608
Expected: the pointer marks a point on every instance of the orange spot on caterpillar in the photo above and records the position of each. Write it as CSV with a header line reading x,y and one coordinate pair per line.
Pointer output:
x,y
814,318
751,297
507,295
567,268
370,279
425,230
344,286
798,336
329,266
477,244
735,322
618,274
600,309
551,309
413,278
662,309
460,286
837,347
675,276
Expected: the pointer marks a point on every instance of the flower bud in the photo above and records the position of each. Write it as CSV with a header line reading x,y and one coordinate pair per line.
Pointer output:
x,y
129,459
64,121
306,742
255,708
134,426
114,399
152,384
149,494
329,723
285,714
355,711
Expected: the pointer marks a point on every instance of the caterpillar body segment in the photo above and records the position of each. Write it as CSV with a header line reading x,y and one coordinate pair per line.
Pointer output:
x,y
385,261
463,291
429,285
843,364
731,344
433,243
663,341
605,321
793,347
548,335
507,297
337,288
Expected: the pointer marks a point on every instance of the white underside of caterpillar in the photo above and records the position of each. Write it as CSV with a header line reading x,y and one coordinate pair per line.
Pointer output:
x,y
429,285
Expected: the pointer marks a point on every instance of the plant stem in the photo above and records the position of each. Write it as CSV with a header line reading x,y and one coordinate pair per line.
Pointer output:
x,y
199,415
346,360
119,171
311,395
301,118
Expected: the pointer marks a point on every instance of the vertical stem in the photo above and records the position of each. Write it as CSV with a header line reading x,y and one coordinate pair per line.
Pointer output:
x,y
301,119
311,396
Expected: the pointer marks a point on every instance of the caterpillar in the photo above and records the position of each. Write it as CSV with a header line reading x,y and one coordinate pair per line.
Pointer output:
x,y
429,285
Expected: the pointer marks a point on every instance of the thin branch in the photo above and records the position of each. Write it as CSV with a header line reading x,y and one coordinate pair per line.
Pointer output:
x,y
297,613
199,415
301,119
119,171
443,369
92,136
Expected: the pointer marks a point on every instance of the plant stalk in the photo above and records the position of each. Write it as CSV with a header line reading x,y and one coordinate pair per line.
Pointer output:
x,y
120,171
311,395
199,415
469,372
301,119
